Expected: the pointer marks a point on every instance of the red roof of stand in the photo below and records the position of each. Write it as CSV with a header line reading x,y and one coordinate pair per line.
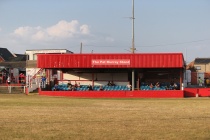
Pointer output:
x,y
137,60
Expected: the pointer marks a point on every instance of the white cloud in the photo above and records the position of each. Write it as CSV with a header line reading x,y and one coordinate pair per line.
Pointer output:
x,y
22,31
40,35
84,29
64,29
61,30
62,35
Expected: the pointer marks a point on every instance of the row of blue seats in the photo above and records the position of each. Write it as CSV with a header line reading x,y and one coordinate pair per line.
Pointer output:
x,y
64,87
164,84
116,88
157,88
154,88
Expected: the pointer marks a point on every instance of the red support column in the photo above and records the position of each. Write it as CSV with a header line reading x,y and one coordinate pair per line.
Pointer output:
x,y
92,79
26,90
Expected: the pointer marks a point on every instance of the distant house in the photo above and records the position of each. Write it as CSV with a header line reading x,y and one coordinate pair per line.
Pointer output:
x,y
17,61
191,67
11,65
202,64
9,60
5,54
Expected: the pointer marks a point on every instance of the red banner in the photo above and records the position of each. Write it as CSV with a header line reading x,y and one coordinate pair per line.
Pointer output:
x,y
111,62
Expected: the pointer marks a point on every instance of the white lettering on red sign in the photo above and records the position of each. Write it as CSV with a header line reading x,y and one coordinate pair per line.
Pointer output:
x,y
111,62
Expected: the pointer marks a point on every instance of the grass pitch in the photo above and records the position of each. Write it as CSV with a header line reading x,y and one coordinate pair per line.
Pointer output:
x,y
51,118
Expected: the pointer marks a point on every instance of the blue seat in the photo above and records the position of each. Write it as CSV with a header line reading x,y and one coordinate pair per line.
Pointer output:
x,y
142,87
116,88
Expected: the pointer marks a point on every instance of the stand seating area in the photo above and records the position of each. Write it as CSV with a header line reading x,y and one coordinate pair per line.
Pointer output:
x,y
163,86
64,87
154,88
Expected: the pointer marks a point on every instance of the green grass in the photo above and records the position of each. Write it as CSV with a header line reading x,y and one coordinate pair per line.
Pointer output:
x,y
41,117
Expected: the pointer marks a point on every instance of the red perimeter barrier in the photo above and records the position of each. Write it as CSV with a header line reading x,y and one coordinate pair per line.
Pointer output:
x,y
202,92
117,94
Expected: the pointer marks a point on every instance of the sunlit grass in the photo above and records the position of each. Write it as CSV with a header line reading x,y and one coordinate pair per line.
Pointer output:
x,y
42,117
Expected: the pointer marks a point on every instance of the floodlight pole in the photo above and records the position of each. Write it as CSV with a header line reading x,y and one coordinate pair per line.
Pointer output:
x,y
133,45
80,47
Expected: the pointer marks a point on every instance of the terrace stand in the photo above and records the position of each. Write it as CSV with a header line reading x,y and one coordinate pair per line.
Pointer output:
x,y
97,69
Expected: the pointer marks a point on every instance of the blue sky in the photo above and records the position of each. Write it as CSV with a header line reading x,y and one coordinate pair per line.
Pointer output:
x,y
104,26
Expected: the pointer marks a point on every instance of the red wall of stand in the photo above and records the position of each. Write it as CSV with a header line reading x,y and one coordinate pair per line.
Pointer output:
x,y
117,94
187,92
